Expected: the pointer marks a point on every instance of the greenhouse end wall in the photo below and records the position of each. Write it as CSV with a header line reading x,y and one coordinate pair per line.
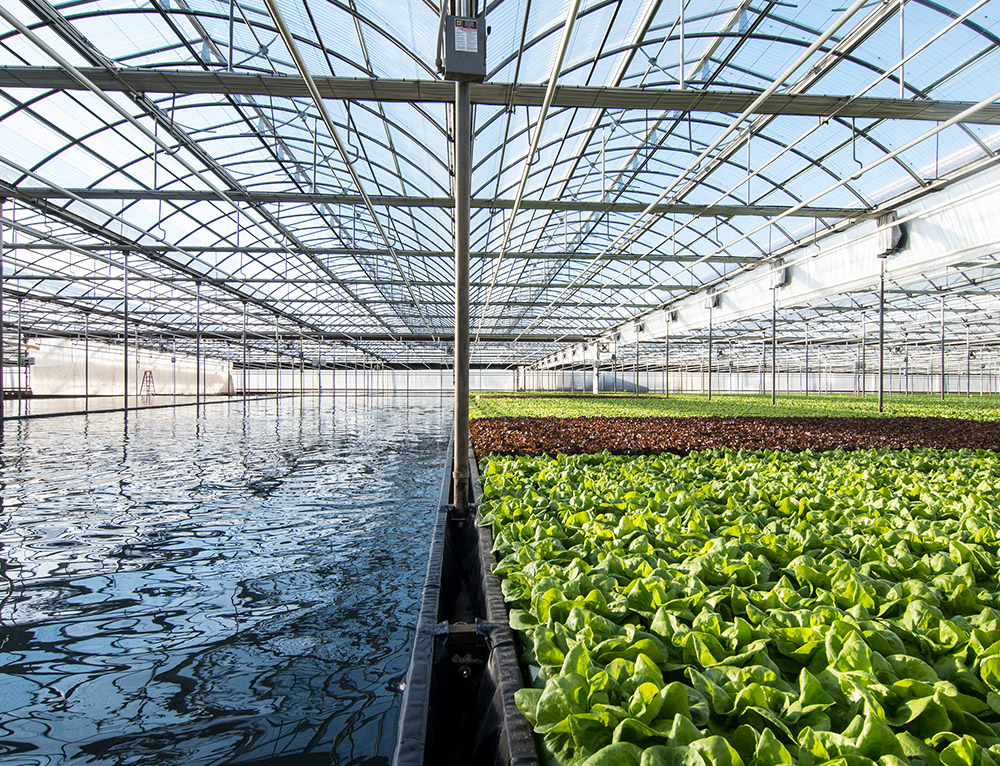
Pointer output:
x,y
60,368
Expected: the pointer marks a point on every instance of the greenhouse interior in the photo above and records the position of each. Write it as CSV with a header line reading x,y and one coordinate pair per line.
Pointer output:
x,y
503,382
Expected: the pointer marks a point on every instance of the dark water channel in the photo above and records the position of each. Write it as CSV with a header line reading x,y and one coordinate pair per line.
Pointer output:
x,y
235,588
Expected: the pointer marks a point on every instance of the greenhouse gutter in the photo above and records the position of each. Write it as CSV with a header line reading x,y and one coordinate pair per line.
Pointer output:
x,y
188,82
458,705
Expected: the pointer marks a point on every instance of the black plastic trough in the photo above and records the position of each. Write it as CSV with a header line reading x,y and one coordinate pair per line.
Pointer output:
x,y
458,705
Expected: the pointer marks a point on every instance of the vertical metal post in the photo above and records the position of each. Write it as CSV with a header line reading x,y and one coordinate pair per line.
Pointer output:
x,y
774,347
881,335
968,364
943,379
244,351
636,366
20,356
906,363
806,386
463,182
763,364
3,411
666,365
137,377
86,363
197,344
277,362
710,329
125,332
864,355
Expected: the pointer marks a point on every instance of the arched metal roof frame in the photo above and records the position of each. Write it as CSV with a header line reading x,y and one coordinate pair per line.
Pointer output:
x,y
686,268
194,278
193,260
280,163
590,138
301,229
760,249
264,24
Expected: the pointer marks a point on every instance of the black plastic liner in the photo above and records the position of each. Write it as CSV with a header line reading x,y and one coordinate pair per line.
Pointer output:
x,y
458,705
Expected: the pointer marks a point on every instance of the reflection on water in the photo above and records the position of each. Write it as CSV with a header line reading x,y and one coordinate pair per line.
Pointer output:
x,y
238,587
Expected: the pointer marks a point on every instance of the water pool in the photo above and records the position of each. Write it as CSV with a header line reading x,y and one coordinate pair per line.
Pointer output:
x,y
232,586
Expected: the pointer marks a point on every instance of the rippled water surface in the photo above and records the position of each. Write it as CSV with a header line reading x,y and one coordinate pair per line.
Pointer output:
x,y
231,588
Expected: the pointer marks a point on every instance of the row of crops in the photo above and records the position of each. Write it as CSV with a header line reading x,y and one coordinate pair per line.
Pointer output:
x,y
732,405
756,607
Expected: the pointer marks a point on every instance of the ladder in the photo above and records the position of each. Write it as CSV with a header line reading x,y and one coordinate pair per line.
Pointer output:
x,y
147,387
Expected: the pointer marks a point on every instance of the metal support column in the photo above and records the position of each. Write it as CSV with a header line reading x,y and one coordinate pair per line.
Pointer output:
x,y
763,364
881,335
197,344
277,362
864,355
806,384
774,347
137,376
125,333
943,379
666,365
968,364
636,366
3,411
86,363
20,367
906,364
463,181
244,351
710,332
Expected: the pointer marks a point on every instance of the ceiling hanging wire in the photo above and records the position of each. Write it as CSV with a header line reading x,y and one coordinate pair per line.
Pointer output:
x,y
902,50
680,57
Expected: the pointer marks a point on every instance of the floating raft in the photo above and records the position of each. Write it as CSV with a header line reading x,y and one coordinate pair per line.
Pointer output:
x,y
458,705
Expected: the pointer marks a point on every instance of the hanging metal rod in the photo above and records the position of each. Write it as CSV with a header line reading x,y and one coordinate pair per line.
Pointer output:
x,y
184,82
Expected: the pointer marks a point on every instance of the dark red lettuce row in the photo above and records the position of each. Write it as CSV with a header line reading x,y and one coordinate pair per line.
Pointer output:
x,y
644,436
